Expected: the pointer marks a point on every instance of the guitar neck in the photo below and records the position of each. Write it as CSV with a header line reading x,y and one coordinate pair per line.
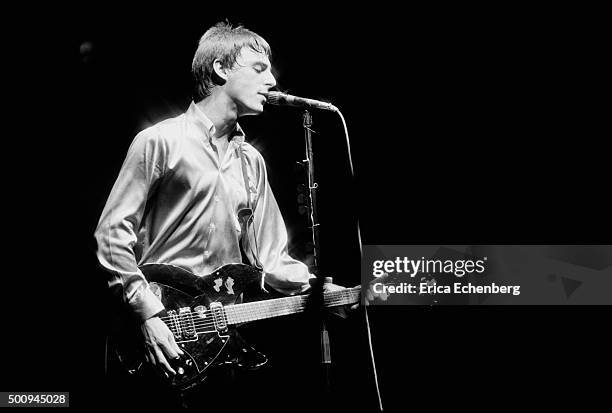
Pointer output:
x,y
259,310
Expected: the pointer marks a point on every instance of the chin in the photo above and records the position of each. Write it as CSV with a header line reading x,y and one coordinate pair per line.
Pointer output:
x,y
252,110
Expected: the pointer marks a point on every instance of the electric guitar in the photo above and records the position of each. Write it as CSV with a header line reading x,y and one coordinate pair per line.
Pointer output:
x,y
202,314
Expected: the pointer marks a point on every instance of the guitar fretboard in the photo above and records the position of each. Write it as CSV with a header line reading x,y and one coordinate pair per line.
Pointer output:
x,y
259,310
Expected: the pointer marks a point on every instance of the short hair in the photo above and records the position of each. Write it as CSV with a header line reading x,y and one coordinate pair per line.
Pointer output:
x,y
223,42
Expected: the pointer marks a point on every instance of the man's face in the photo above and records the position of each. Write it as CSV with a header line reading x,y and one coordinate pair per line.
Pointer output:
x,y
250,77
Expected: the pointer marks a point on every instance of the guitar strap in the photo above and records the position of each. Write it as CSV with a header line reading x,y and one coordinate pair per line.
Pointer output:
x,y
245,216
245,177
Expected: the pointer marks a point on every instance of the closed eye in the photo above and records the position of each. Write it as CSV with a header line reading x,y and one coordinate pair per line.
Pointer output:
x,y
260,67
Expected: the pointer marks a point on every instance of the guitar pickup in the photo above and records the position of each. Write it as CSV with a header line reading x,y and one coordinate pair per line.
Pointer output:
x,y
218,314
185,318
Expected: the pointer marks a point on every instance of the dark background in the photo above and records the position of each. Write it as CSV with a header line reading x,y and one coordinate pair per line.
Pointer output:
x,y
467,126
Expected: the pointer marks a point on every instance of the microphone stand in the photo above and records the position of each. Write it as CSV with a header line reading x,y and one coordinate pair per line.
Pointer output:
x,y
317,290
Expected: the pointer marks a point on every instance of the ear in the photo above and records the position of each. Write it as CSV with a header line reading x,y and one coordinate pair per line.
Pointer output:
x,y
220,71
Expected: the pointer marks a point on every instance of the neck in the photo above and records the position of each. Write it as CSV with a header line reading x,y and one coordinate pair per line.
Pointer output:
x,y
222,112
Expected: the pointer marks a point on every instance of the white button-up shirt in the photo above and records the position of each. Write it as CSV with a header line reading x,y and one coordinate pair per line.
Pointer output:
x,y
176,202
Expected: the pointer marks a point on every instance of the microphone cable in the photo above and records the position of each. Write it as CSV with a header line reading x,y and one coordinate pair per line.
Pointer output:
x,y
365,307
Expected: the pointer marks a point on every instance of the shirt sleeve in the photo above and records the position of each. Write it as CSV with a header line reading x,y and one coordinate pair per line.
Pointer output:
x,y
116,233
282,272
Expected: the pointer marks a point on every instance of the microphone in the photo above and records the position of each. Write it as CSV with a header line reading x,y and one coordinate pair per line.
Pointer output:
x,y
282,99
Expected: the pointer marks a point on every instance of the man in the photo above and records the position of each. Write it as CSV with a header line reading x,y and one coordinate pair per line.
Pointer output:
x,y
180,192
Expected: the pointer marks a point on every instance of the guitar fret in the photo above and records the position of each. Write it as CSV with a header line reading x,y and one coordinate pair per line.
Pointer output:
x,y
258,310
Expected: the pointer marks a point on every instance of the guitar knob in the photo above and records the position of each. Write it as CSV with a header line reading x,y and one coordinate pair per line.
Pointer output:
x,y
180,370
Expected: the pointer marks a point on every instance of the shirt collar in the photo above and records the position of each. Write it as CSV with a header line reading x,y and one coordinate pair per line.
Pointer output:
x,y
209,129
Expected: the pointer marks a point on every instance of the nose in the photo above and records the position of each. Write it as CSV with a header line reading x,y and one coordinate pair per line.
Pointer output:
x,y
271,80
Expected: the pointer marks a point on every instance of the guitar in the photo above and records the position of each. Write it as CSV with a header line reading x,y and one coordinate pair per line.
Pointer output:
x,y
202,314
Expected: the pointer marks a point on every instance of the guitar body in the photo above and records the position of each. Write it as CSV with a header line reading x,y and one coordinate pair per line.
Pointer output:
x,y
200,331
200,313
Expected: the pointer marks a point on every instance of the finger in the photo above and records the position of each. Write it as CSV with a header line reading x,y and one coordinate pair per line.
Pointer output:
x,y
354,307
342,311
161,360
150,357
169,351
168,347
175,346
369,295
383,278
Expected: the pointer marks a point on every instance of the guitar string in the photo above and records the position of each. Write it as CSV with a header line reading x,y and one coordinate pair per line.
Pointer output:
x,y
251,314
237,317
201,327
254,312
257,306
331,301
242,314
335,300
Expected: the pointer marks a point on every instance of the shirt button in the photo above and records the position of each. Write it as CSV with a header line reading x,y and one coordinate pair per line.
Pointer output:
x,y
216,198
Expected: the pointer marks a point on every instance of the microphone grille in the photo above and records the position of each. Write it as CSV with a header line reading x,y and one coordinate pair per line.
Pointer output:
x,y
274,98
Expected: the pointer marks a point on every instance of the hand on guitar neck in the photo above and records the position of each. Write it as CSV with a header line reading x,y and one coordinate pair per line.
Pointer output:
x,y
369,295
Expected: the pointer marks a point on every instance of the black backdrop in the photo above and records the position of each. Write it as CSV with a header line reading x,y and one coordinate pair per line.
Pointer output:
x,y
467,126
